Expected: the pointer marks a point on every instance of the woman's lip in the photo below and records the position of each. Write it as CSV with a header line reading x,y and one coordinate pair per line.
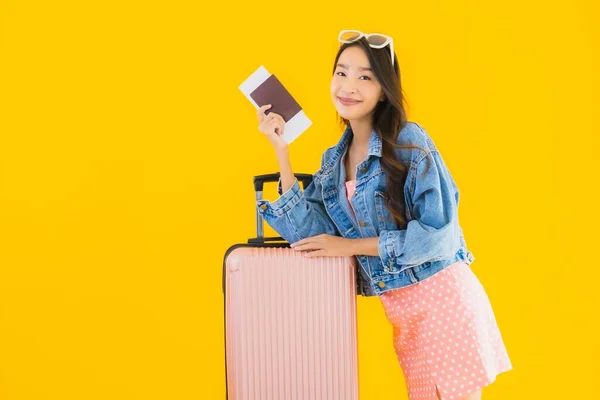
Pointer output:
x,y
347,102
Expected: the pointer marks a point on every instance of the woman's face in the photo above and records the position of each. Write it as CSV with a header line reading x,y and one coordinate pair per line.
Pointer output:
x,y
354,90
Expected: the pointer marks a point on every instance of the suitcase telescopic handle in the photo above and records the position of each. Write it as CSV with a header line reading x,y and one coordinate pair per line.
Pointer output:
x,y
259,182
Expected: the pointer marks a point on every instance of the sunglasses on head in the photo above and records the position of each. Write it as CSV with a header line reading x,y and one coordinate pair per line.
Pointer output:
x,y
375,40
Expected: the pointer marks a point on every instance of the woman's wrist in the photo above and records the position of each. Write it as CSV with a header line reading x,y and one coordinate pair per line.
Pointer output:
x,y
282,153
364,246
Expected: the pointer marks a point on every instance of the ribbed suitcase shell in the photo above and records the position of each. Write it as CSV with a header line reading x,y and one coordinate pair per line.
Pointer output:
x,y
290,325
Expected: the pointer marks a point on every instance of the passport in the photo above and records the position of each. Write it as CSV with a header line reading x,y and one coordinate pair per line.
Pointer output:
x,y
263,88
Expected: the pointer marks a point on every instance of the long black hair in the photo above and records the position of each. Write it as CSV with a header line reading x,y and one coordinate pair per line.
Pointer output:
x,y
389,118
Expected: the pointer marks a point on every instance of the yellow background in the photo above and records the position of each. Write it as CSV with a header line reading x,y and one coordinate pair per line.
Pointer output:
x,y
126,157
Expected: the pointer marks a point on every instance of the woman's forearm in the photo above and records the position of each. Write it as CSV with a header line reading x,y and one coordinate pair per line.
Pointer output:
x,y
365,247
285,169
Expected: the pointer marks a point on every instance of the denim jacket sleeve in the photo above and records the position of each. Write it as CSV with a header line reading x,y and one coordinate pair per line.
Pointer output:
x,y
298,214
430,235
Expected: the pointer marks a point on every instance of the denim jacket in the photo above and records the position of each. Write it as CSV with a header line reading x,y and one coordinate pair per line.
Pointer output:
x,y
431,240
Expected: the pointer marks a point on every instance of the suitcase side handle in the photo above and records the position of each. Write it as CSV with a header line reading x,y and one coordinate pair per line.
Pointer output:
x,y
259,182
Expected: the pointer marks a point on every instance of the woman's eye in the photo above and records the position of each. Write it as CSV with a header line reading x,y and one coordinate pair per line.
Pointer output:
x,y
340,73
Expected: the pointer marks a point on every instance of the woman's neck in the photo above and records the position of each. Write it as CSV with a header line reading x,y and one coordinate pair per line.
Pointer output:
x,y
358,147
361,134
361,131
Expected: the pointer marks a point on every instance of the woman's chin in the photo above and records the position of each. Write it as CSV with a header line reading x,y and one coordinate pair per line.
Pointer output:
x,y
345,114
350,116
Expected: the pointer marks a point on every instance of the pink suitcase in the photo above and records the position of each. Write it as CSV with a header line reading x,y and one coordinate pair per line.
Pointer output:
x,y
290,322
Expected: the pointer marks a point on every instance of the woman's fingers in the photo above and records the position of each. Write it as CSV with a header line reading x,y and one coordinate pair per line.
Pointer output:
x,y
280,127
316,253
308,246
262,117
272,122
271,126
317,238
279,118
275,126
301,242
267,125
281,122
260,113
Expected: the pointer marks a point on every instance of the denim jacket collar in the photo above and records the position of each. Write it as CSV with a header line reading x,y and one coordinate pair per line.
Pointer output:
x,y
374,141
374,144
339,150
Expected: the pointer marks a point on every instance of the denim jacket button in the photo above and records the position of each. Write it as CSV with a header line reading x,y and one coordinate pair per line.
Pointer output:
x,y
381,285
362,223
263,206
363,170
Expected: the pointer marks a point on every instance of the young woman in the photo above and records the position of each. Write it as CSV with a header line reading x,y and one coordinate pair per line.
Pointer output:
x,y
384,195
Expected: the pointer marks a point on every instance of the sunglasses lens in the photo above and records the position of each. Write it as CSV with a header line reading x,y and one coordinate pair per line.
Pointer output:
x,y
349,36
377,40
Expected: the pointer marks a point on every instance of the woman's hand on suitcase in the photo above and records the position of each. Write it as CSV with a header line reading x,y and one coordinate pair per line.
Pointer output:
x,y
324,245
271,126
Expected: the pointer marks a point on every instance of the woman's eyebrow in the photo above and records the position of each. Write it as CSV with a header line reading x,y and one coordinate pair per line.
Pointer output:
x,y
360,68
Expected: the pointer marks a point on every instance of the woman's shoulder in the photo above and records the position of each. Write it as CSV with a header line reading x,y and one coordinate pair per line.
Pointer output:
x,y
414,134
326,162
330,154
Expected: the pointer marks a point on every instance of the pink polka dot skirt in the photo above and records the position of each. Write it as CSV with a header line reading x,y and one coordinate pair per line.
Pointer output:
x,y
445,334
